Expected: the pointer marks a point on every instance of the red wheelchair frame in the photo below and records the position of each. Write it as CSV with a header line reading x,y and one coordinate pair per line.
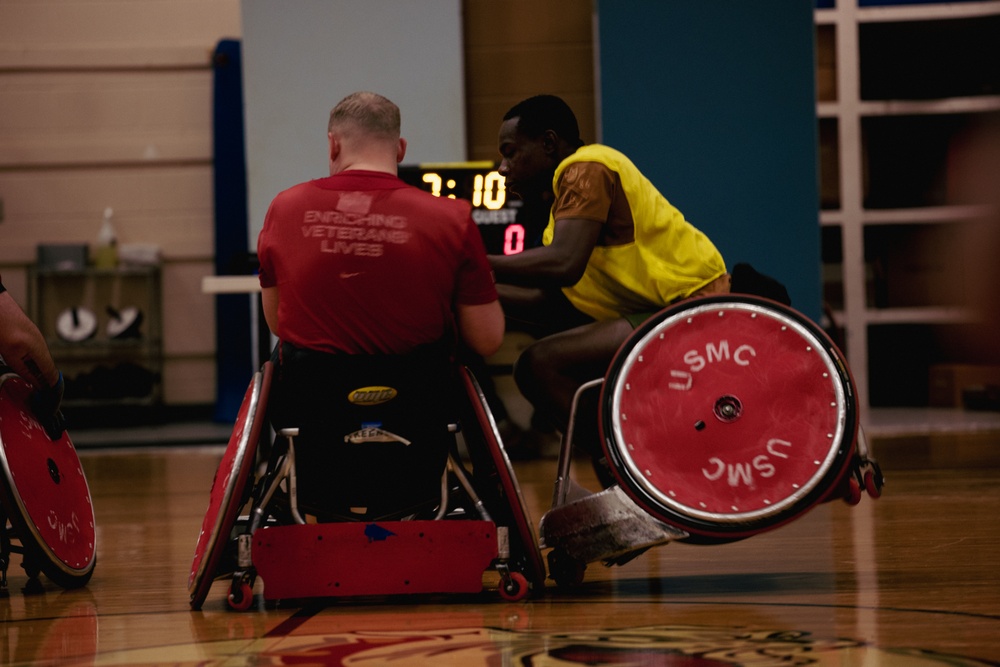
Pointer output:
x,y
295,559
46,513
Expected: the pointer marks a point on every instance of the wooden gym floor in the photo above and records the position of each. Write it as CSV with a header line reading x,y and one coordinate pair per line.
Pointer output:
x,y
909,579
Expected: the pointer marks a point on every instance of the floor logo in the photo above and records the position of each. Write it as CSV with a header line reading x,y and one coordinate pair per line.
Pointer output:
x,y
653,646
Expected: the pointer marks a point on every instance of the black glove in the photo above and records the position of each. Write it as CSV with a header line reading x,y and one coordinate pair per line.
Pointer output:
x,y
45,404
747,280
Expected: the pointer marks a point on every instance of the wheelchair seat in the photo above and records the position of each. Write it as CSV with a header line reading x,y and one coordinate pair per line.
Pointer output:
x,y
374,431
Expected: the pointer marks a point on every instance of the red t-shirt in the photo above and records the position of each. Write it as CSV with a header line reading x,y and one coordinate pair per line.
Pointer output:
x,y
367,264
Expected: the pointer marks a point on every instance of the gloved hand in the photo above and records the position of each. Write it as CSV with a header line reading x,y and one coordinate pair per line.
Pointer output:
x,y
45,404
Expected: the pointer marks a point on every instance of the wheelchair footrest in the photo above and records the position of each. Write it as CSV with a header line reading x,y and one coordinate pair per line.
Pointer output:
x,y
381,558
603,526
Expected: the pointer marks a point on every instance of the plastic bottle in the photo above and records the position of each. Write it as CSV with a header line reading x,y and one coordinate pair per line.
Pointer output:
x,y
106,255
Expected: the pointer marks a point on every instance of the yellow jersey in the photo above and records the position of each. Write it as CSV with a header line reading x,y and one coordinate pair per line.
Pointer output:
x,y
648,255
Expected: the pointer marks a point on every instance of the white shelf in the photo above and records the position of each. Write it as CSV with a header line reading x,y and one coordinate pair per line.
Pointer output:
x,y
945,106
856,179
230,284
908,422
905,216
922,12
928,315
915,12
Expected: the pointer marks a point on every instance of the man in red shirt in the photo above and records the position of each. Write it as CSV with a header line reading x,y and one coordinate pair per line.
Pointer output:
x,y
361,269
361,262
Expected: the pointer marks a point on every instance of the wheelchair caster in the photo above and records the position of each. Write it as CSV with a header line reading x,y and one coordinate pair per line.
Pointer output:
x,y
853,494
240,596
873,483
31,569
33,586
565,570
514,587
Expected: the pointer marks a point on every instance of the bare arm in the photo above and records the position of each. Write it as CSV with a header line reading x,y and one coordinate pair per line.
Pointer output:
x,y
559,264
269,300
481,327
23,347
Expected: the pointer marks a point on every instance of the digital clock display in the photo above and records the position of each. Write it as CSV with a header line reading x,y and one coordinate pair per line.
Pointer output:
x,y
500,219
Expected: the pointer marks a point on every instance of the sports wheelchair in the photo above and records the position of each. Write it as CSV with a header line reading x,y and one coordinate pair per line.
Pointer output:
x,y
365,491
720,418
46,514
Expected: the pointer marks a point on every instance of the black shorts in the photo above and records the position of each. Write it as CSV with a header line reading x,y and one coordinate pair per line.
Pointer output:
x,y
635,319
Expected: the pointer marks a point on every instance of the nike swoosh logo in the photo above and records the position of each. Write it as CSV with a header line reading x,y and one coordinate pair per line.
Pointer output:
x,y
349,275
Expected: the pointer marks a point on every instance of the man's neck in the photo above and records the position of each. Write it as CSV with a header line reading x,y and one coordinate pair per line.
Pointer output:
x,y
362,165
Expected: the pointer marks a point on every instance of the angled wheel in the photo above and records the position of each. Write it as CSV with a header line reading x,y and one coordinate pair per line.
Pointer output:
x,y
729,415
504,495
44,492
230,486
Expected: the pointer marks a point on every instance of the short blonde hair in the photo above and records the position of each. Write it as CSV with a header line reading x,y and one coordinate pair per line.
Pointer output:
x,y
375,115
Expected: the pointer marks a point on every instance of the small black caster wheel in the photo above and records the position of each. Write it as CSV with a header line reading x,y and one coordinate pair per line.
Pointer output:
x,y
565,570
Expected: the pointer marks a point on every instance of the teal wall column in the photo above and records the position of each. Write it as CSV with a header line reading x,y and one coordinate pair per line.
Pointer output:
x,y
714,100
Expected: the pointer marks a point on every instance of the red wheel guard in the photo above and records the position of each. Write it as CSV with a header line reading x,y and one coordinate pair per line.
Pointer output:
x,y
729,416
385,558
45,484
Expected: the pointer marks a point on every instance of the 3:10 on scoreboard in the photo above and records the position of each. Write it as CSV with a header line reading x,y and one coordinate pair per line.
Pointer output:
x,y
482,185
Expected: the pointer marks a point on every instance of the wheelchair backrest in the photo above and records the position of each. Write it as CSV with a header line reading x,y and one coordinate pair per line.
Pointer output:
x,y
374,430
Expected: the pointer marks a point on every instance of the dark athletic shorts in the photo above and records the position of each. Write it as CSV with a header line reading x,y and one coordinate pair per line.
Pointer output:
x,y
635,319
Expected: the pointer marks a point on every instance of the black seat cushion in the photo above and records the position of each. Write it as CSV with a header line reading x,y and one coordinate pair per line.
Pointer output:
x,y
747,280
348,408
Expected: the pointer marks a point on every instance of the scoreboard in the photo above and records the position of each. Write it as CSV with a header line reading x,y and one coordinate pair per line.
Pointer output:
x,y
503,222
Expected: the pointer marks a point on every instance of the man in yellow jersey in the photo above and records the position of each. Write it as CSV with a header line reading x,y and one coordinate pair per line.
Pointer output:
x,y
615,252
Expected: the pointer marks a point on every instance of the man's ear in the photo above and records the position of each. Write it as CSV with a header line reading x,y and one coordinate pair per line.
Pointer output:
x,y
334,146
550,141
400,150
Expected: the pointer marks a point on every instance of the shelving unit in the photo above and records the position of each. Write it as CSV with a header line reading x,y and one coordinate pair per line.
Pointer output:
x,y
899,83
103,370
